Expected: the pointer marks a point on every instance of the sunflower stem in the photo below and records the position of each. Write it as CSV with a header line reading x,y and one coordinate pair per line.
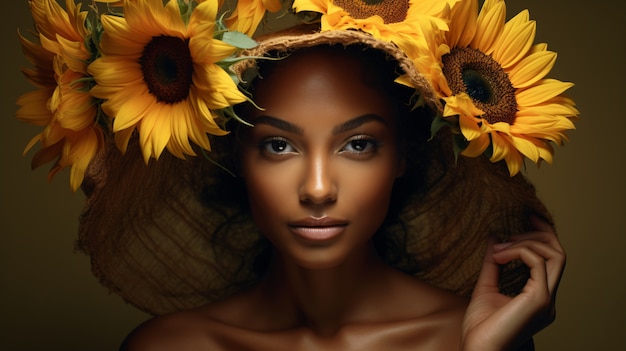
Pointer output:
x,y
208,158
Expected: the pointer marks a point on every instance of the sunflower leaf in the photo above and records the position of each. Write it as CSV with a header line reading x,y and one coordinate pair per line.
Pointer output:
x,y
239,40
438,123
229,112
216,163
459,144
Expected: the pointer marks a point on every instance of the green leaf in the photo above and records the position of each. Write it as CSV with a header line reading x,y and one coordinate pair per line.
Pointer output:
x,y
219,165
239,40
459,144
419,102
229,113
438,123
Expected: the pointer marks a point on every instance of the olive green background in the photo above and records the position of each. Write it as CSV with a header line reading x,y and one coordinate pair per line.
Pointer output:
x,y
50,301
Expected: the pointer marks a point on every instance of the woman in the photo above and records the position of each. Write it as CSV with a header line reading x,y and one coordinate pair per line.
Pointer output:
x,y
319,167
337,214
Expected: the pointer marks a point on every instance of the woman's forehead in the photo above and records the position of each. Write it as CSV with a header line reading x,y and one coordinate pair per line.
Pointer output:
x,y
325,72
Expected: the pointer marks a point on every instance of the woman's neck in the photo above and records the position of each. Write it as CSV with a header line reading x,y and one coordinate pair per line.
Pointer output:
x,y
326,299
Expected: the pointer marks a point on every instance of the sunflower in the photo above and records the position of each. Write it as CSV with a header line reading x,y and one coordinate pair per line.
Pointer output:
x,y
62,105
494,79
388,20
159,74
248,14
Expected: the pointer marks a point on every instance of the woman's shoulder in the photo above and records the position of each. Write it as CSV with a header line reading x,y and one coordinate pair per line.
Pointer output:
x,y
184,330
216,326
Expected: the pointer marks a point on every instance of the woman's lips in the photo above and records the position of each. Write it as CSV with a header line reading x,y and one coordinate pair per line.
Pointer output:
x,y
318,229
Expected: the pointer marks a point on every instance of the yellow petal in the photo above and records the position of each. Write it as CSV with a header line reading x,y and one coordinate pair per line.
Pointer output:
x,y
463,18
310,5
136,107
532,68
489,25
207,50
538,123
514,162
179,143
122,138
120,39
544,90
81,154
515,41
204,12
114,72
500,147
155,131
477,146
46,155
34,108
526,147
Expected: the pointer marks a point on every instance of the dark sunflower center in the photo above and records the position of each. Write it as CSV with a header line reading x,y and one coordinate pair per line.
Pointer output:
x,y
391,11
167,68
481,77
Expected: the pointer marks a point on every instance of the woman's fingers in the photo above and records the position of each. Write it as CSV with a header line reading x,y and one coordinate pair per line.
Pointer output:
x,y
490,271
527,252
540,250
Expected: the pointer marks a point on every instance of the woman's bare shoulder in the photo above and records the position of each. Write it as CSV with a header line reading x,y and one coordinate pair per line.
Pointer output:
x,y
183,331
216,326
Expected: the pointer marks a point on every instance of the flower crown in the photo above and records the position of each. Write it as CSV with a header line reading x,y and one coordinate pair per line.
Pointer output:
x,y
162,70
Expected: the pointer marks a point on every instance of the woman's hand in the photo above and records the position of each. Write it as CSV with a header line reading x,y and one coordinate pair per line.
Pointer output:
x,y
494,321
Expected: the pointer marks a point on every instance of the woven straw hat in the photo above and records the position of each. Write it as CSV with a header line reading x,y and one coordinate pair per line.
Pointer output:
x,y
175,232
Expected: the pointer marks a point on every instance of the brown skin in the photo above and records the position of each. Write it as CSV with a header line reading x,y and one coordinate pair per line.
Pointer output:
x,y
326,288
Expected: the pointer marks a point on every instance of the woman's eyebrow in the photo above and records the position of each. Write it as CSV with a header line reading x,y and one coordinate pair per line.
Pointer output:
x,y
358,121
279,123
344,127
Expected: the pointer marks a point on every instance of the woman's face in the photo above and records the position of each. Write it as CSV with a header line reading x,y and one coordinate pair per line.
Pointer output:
x,y
321,159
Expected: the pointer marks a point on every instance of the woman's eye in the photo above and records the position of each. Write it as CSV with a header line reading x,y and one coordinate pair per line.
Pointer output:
x,y
277,146
360,145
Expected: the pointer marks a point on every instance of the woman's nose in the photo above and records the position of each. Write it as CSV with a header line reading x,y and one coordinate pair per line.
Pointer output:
x,y
318,184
